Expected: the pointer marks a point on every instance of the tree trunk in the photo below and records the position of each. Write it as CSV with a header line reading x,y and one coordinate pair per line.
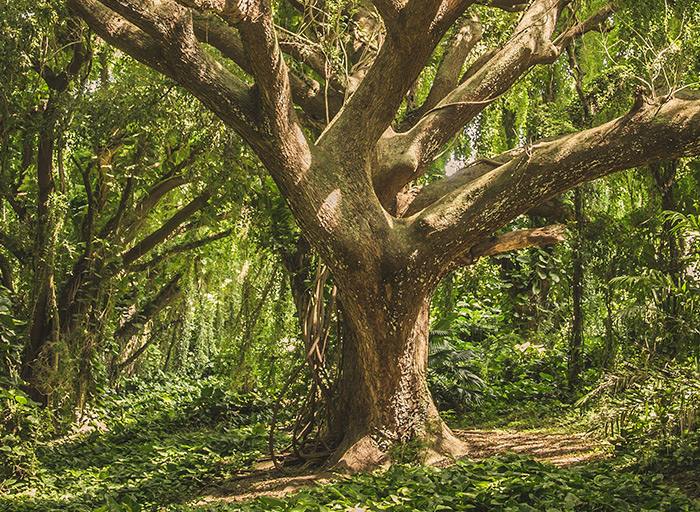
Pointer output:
x,y
610,351
385,406
576,342
36,355
669,256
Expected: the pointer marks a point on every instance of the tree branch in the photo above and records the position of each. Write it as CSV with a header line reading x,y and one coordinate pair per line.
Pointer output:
x,y
552,210
14,247
596,22
506,5
651,132
514,240
161,36
135,323
115,222
410,41
160,234
179,249
213,31
88,227
20,210
428,194
389,11
306,92
467,33
137,353
253,19
163,20
122,34
157,193
529,45
306,54
6,273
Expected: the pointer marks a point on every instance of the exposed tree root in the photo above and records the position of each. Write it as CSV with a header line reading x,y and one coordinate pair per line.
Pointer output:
x,y
365,454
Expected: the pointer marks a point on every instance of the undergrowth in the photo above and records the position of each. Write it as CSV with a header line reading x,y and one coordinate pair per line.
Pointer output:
x,y
157,444
510,483
161,445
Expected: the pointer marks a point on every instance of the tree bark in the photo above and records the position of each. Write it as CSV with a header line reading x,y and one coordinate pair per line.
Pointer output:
x,y
36,350
385,403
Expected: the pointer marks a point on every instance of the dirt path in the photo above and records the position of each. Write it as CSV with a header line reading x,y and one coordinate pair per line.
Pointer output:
x,y
560,448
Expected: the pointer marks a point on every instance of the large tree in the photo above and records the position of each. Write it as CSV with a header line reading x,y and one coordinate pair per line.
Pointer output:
x,y
342,149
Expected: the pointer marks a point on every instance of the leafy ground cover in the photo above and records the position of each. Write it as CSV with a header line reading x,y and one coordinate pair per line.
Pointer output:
x,y
154,446
510,483
168,445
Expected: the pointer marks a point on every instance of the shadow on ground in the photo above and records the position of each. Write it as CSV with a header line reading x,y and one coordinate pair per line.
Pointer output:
x,y
562,449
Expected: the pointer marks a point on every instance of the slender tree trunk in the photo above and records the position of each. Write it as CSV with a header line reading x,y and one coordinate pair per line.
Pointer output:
x,y
610,345
669,256
251,316
177,330
6,274
135,325
36,351
575,364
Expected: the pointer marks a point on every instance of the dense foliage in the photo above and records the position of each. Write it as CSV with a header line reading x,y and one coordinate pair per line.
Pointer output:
x,y
509,483
158,442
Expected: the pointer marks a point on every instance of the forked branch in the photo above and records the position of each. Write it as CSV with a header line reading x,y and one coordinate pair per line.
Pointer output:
x,y
160,34
489,78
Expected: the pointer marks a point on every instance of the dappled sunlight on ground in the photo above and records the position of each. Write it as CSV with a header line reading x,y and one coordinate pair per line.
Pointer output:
x,y
560,448
266,481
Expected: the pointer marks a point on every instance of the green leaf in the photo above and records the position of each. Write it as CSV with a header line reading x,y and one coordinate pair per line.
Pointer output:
x,y
272,502
524,507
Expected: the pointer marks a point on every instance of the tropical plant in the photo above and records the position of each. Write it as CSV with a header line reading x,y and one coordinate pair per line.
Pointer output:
x,y
452,375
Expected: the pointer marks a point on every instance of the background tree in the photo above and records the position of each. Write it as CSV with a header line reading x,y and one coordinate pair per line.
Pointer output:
x,y
97,203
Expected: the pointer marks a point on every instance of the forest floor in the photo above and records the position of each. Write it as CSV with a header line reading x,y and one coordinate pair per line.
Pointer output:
x,y
559,447
555,445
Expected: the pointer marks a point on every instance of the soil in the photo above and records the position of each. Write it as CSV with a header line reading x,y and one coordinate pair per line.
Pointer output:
x,y
560,448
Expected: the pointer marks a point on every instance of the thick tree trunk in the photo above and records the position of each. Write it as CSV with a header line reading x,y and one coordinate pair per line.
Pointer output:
x,y
385,406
